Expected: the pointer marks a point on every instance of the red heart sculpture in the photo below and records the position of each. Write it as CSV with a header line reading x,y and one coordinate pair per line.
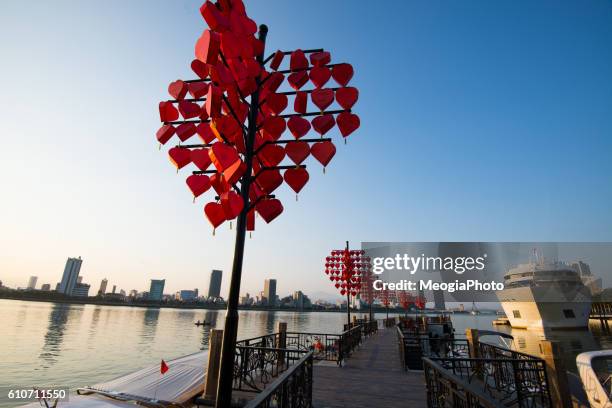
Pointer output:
x,y
167,112
298,79
342,73
217,181
300,102
198,89
323,152
274,81
231,45
200,158
223,156
322,124
277,60
347,123
269,180
189,109
273,127
205,132
298,60
322,98
247,86
238,68
271,155
215,214
253,68
319,76
232,204
298,126
319,59
179,157
185,130
178,89
164,133
233,173
251,220
276,103
297,152
200,68
216,20
207,47
198,184
347,96
296,178
269,209
213,101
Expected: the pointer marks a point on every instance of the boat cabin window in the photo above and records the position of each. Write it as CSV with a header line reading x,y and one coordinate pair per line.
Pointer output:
x,y
517,314
569,313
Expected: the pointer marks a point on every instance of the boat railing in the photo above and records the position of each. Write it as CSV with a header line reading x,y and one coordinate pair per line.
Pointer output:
x,y
293,388
497,382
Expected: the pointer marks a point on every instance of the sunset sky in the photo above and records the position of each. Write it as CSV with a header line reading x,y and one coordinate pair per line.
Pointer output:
x,y
481,121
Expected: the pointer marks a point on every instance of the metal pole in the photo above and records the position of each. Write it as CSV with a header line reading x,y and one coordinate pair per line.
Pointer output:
x,y
226,372
348,294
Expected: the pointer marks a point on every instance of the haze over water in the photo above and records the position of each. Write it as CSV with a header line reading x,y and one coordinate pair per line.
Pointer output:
x,y
52,344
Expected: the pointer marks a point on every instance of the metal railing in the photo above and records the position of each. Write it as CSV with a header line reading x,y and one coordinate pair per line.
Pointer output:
x,y
493,351
503,382
292,389
413,347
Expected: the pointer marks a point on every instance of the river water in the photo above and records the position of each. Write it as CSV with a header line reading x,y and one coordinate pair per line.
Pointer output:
x,y
66,345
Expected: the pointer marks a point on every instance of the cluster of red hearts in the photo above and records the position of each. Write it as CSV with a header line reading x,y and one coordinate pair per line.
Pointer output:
x,y
406,299
219,106
347,268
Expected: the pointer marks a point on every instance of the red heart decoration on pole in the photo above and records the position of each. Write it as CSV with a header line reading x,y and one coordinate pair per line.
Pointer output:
x,y
277,60
213,101
179,157
342,73
298,126
177,89
205,132
319,59
297,152
271,155
251,220
276,103
323,152
322,98
213,17
198,89
167,112
233,173
298,60
300,102
231,45
218,182
207,47
347,123
273,127
185,130
269,180
223,156
319,76
347,96
198,184
164,133
296,178
232,204
214,213
322,124
200,68
274,81
298,79
269,209
200,158
189,109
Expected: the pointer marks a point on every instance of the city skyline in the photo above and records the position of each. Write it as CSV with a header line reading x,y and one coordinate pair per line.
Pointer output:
x,y
482,115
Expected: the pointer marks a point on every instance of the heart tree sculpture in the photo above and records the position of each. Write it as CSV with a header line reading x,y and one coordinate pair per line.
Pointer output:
x,y
346,268
367,293
235,106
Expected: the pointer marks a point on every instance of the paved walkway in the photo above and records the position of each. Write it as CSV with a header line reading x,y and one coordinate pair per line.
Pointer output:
x,y
372,377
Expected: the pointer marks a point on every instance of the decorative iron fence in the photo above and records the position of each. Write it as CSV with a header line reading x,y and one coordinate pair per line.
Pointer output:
x,y
256,367
292,389
324,346
488,350
507,382
413,347
268,340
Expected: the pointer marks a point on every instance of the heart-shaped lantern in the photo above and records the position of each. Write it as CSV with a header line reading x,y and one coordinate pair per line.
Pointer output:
x,y
296,178
298,126
322,98
297,151
322,124
215,214
269,209
323,152
347,96
198,184
347,123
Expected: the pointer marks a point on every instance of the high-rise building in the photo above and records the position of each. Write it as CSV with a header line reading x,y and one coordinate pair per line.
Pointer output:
x,y
270,292
214,286
156,292
46,287
80,290
187,295
103,285
298,299
114,288
439,300
32,282
71,273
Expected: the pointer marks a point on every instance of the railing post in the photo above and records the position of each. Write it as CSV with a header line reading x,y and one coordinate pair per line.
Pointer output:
x,y
474,348
214,359
558,385
281,342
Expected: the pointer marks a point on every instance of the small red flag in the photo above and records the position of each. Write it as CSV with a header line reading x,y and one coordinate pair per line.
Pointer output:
x,y
164,367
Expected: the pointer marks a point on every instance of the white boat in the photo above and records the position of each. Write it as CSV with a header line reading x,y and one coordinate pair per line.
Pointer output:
x,y
545,295
595,369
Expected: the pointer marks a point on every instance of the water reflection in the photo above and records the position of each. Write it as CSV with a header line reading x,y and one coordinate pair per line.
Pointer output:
x,y
58,317
149,326
210,317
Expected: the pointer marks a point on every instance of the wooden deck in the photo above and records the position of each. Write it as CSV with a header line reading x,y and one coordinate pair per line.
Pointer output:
x,y
372,377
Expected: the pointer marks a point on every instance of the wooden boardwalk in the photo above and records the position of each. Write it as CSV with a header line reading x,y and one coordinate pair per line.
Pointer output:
x,y
372,377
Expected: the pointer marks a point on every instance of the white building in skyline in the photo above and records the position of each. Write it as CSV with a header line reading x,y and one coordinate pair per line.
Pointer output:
x,y
32,282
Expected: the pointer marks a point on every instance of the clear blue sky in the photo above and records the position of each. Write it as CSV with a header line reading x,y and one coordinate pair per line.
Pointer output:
x,y
481,121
